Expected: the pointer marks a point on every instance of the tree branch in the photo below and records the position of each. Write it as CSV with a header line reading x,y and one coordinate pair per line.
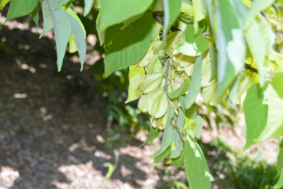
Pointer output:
x,y
173,28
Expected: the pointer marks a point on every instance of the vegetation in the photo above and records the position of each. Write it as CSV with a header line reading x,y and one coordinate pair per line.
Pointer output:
x,y
175,50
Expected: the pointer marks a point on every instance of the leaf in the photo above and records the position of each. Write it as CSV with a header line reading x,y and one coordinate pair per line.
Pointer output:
x,y
120,11
179,161
35,14
78,33
162,156
61,3
279,183
257,6
62,30
47,17
213,61
274,127
199,10
124,48
197,127
3,3
279,164
257,48
181,90
100,33
255,114
20,8
154,132
230,42
87,7
195,83
177,140
134,73
195,166
172,10
168,133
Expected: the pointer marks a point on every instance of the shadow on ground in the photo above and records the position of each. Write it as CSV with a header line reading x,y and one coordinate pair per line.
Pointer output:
x,y
52,128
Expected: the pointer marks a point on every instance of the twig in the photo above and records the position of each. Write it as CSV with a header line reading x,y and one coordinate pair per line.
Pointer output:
x,y
173,28
166,91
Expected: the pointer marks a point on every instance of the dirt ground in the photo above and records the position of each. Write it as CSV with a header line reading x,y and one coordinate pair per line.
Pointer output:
x,y
52,130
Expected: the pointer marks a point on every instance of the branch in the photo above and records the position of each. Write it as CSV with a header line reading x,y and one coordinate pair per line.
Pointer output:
x,y
166,91
173,28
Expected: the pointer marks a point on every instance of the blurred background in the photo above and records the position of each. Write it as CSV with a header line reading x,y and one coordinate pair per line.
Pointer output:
x,y
72,129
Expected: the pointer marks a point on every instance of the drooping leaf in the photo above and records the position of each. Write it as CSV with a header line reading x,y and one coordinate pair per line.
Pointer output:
x,y
78,34
178,142
121,10
3,3
87,7
230,42
162,156
179,161
134,72
47,17
168,133
274,127
35,14
196,166
257,6
181,90
257,48
154,132
195,83
171,13
255,114
197,127
62,30
124,48
20,8
100,33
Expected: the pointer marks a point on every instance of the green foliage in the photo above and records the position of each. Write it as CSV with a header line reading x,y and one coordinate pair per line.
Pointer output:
x,y
221,49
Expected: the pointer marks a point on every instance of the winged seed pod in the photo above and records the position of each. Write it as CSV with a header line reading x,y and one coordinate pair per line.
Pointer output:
x,y
160,105
142,105
154,65
152,82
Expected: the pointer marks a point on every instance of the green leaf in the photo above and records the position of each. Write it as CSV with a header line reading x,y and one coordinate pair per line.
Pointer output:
x,y
88,6
124,48
47,17
178,142
279,164
20,8
172,10
197,126
195,166
256,7
274,127
181,90
279,183
100,33
35,14
257,48
134,73
199,10
179,161
195,83
3,3
60,3
168,133
230,42
78,33
120,11
154,132
255,114
62,30
213,61
162,156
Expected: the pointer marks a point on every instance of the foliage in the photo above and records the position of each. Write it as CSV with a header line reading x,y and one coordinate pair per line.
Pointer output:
x,y
176,50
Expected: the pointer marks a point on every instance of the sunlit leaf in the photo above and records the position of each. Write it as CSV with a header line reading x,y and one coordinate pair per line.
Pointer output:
x,y
20,8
